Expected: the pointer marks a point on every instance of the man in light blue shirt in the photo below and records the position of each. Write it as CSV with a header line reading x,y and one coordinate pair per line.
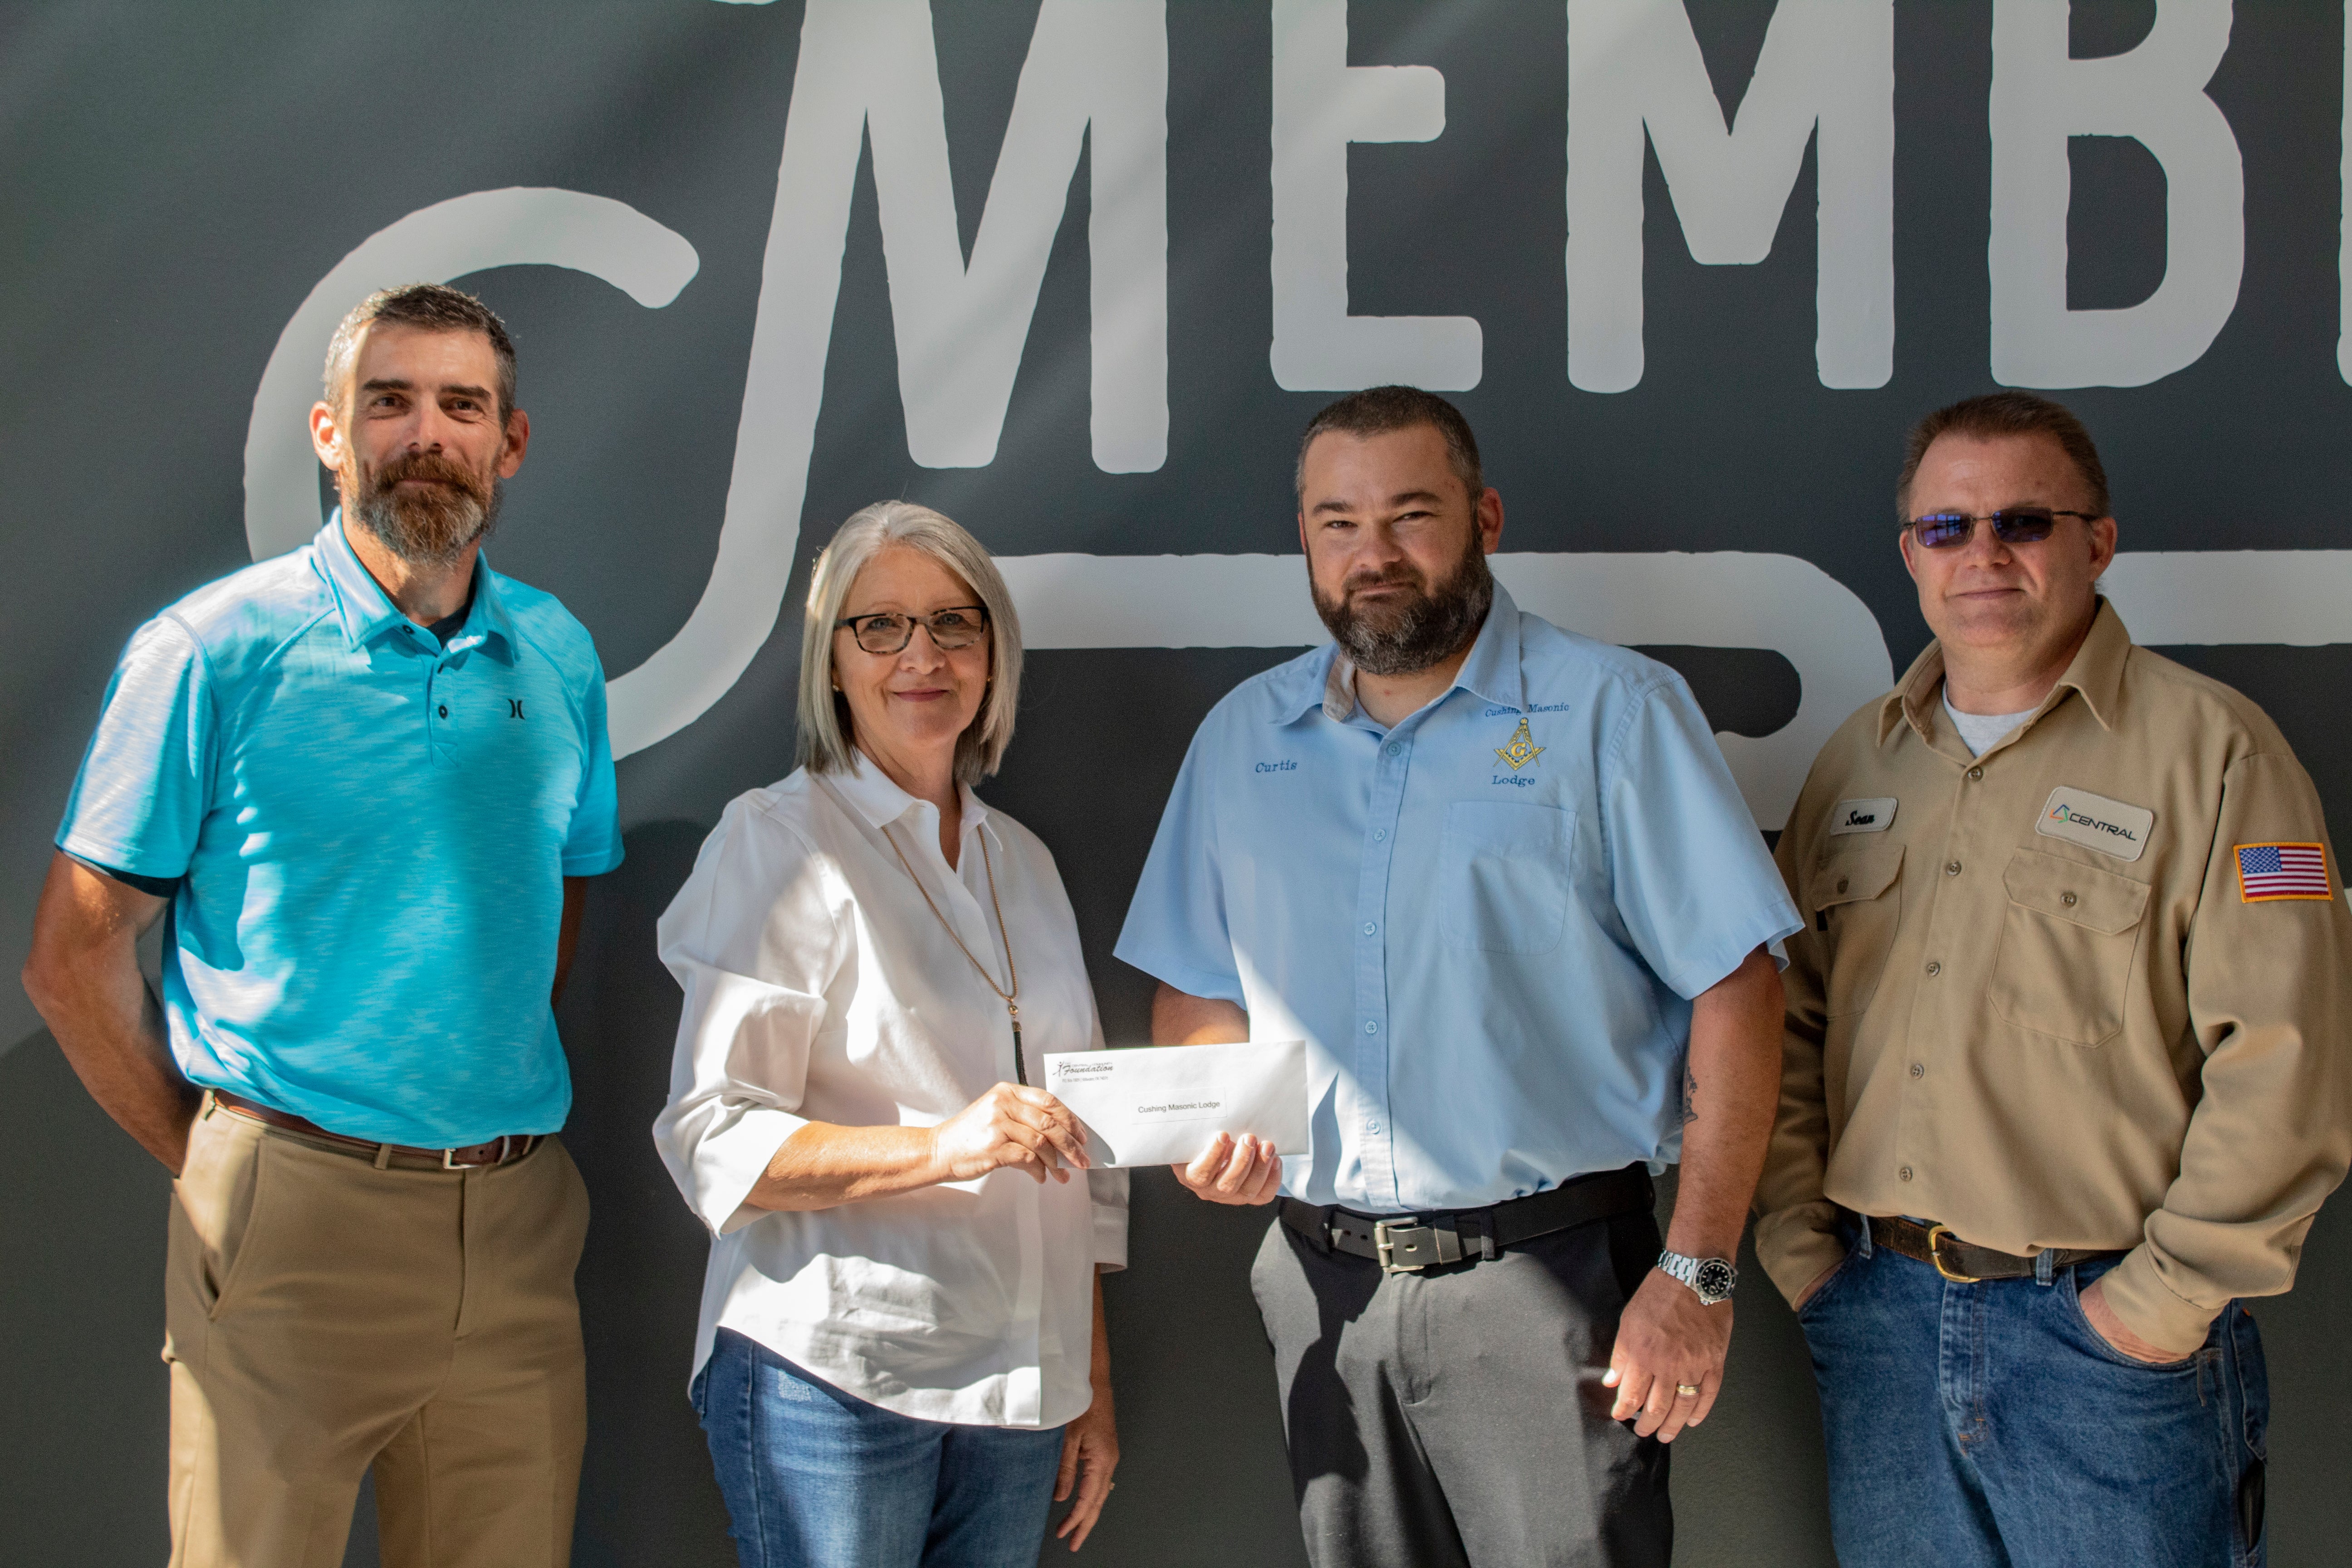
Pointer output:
x,y
362,779
1499,879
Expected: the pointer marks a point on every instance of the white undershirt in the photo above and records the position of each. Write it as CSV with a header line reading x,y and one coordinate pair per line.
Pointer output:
x,y
820,987
1980,732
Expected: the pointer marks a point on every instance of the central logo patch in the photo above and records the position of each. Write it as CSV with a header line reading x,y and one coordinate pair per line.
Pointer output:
x,y
1521,750
2114,828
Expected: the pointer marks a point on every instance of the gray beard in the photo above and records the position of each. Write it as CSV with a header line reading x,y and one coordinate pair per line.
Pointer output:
x,y
435,529
1431,629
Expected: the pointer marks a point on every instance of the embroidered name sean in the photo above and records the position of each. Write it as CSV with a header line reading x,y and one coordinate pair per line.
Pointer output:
x,y
1875,814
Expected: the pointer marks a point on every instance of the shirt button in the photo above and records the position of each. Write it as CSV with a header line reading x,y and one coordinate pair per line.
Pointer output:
x,y
1841,884
1919,1070
2067,899
1372,1126
445,711
1369,928
1935,969
1905,1174
1379,833
1370,1027
1394,747
1976,773
1951,868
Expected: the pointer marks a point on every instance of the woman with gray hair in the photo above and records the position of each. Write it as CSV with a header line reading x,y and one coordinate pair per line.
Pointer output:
x,y
901,1356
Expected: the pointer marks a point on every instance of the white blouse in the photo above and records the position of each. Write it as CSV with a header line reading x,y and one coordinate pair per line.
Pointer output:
x,y
820,987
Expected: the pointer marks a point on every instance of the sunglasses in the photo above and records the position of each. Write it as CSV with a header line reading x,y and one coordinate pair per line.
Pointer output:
x,y
2010,525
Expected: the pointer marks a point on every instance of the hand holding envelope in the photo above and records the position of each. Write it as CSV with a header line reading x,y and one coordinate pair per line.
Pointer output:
x,y
1163,1105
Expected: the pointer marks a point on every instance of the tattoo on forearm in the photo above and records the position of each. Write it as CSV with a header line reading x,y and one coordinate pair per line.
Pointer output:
x,y
1690,1095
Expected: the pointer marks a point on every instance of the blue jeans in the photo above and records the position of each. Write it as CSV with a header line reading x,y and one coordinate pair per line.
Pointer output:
x,y
1990,1424
814,1478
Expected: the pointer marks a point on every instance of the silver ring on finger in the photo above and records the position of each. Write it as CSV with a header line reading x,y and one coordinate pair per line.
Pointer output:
x,y
1687,1390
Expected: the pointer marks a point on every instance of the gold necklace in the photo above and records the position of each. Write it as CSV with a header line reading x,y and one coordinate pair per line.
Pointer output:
x,y
1013,973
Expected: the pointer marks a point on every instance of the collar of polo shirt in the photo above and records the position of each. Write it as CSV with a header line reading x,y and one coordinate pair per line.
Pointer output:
x,y
366,611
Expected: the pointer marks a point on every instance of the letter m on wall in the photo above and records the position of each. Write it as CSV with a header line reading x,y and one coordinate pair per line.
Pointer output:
x,y
1826,75
1096,68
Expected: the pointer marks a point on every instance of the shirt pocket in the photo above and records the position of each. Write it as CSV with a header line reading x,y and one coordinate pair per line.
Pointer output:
x,y
1856,900
2066,946
1504,875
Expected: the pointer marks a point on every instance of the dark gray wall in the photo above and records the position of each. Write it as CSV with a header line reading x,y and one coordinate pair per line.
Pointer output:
x,y
176,179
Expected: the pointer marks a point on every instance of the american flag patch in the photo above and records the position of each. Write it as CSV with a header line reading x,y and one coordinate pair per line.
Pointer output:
x,y
2267,871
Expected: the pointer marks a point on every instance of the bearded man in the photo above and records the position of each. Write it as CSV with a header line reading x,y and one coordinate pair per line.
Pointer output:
x,y
1499,879
365,778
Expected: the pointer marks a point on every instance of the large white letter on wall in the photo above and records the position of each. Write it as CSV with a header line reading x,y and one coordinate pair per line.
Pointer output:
x,y
1320,104
1826,75
1094,66
2155,95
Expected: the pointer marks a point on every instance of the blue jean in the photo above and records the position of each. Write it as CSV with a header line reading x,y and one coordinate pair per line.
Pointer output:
x,y
814,1478
1988,1424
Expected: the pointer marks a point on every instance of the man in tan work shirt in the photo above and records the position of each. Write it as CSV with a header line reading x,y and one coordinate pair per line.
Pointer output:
x,y
2062,1082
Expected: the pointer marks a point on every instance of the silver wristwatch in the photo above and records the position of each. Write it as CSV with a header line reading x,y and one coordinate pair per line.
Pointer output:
x,y
1710,1279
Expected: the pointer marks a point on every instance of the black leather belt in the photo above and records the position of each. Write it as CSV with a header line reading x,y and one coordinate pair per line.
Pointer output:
x,y
1402,1244
1964,1262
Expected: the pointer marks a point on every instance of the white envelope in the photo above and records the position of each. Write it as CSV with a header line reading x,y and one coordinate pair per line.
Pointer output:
x,y
1165,1104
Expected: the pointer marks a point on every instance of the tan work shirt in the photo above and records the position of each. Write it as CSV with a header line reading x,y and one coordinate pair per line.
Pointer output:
x,y
2037,1000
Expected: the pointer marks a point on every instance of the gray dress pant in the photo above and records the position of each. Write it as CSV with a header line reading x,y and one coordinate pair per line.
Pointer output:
x,y
1457,1417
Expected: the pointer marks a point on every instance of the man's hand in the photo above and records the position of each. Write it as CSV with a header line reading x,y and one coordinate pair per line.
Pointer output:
x,y
1666,1338
1231,1171
2120,1339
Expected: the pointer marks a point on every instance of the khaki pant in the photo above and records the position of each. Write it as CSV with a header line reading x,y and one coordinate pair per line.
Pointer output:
x,y
322,1316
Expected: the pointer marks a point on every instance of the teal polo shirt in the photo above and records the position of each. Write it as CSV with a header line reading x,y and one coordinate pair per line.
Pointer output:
x,y
368,831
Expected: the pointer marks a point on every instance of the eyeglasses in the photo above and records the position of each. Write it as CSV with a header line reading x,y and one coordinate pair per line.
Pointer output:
x,y
2010,525
958,626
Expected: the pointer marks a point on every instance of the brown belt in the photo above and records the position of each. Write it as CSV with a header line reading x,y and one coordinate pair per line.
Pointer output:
x,y
501,1150
1964,1262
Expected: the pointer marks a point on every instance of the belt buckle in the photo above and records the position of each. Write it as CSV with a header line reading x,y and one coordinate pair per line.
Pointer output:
x,y
1427,1243
449,1156
1936,1257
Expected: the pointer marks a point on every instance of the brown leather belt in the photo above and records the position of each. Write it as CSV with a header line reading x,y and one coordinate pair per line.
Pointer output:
x,y
1405,1244
1964,1262
501,1151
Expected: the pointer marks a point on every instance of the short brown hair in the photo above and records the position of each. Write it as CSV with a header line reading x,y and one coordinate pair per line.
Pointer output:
x,y
1377,410
432,307
1999,414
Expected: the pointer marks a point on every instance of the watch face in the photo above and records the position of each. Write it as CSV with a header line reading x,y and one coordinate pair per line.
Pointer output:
x,y
1713,1280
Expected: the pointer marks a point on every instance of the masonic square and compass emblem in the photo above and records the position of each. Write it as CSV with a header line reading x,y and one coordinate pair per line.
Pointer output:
x,y
1522,749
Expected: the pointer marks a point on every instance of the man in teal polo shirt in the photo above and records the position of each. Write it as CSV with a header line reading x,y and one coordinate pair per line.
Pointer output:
x,y
362,779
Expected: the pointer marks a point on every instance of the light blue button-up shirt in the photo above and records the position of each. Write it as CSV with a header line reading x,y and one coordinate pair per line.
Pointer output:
x,y
371,832
1488,924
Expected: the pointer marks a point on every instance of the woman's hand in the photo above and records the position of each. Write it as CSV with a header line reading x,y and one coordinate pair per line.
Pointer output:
x,y
1090,1445
1234,1171
1010,1126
